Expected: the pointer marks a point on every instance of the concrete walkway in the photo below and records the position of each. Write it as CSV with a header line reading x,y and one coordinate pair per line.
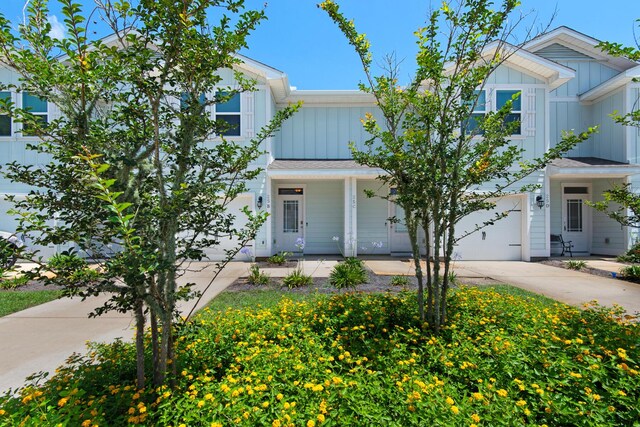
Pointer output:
x,y
568,286
41,338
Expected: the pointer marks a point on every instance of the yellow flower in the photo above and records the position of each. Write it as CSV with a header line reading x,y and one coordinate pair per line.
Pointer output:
x,y
449,401
200,403
320,418
63,401
311,423
86,423
521,403
279,396
502,392
2,412
276,423
208,396
477,396
475,418
455,409
265,404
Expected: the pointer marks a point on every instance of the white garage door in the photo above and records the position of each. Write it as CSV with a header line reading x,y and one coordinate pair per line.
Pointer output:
x,y
216,253
500,241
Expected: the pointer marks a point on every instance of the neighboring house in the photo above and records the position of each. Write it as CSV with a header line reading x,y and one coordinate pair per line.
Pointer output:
x,y
314,191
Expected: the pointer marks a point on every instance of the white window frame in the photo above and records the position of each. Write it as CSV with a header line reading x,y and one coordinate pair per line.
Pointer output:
x,y
19,129
215,113
491,103
12,125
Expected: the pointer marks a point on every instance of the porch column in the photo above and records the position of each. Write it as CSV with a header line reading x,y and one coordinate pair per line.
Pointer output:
x,y
350,243
267,223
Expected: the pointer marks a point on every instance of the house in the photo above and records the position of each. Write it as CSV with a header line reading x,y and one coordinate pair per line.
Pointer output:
x,y
314,191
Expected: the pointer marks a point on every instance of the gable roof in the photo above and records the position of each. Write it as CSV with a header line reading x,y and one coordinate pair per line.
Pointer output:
x,y
551,72
580,43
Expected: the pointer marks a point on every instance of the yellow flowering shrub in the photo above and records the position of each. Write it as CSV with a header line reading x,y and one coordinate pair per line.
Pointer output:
x,y
363,360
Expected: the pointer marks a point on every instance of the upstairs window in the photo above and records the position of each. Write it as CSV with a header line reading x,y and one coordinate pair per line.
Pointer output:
x,y
5,119
36,106
229,112
502,97
471,126
184,100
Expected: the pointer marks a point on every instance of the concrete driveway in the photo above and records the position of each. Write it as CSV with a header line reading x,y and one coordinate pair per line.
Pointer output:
x,y
42,337
569,286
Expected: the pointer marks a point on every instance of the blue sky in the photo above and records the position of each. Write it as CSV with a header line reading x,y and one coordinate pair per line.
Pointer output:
x,y
300,40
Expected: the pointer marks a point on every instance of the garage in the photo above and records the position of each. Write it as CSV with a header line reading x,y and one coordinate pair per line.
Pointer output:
x,y
500,241
217,253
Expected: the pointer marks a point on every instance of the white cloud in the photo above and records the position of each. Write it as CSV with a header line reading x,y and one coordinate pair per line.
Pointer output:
x,y
57,29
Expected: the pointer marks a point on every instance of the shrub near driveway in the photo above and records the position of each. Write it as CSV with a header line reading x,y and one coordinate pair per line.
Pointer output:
x,y
362,360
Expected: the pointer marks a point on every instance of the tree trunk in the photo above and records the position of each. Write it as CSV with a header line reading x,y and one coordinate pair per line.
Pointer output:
x,y
140,324
412,228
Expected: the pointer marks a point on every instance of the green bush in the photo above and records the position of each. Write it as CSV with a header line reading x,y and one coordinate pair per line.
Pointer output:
x,y
402,281
279,258
348,274
69,266
257,277
13,282
297,278
631,273
575,264
632,255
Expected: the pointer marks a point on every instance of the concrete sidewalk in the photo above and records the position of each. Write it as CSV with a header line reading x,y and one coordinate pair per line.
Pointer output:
x,y
41,338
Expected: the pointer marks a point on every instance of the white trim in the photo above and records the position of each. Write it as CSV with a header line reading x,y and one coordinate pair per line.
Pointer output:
x,y
565,99
595,172
547,215
267,206
323,173
525,228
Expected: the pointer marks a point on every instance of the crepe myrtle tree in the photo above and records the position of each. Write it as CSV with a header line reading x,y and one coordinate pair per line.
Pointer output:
x,y
444,162
133,161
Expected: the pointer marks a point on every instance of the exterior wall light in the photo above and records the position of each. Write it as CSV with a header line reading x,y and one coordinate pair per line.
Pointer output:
x,y
259,202
539,202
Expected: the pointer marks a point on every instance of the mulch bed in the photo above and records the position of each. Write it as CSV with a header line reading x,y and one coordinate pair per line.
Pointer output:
x,y
33,285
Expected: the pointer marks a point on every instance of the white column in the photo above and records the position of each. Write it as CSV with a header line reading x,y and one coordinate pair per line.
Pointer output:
x,y
346,238
269,209
350,245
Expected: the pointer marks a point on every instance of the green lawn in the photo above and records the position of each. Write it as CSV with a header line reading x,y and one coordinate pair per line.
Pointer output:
x,y
12,301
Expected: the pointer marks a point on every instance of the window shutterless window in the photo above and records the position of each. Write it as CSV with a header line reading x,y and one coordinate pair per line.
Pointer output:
x,y
37,107
5,119
502,97
229,112
471,126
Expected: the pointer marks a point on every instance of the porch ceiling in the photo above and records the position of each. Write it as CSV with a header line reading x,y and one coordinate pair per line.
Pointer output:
x,y
590,167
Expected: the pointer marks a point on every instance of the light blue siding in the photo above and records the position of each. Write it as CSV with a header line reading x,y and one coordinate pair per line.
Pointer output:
x,y
604,228
609,142
633,153
372,217
589,74
322,133
504,74
324,216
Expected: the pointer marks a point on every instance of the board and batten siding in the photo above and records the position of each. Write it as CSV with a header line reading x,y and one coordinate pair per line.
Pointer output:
x,y
373,214
505,74
316,132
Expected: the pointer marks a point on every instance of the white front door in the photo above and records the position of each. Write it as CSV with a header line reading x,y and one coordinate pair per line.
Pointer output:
x,y
576,218
290,221
399,235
